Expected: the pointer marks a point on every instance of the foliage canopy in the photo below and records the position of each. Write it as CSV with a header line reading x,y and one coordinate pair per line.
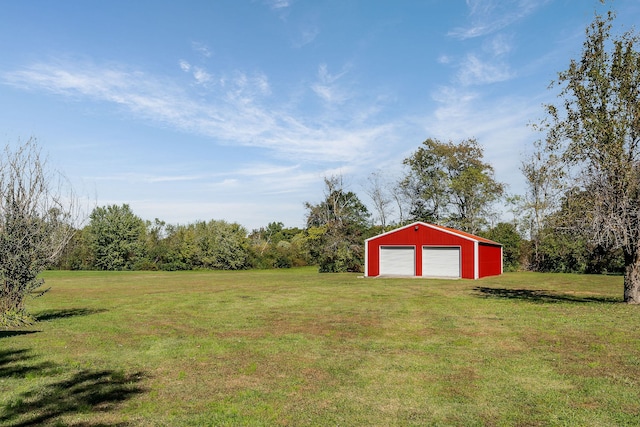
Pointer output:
x,y
450,183
594,139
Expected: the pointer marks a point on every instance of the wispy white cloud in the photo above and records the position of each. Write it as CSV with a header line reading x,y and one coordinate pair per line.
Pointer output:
x,y
485,65
184,66
238,110
453,103
306,35
464,108
202,77
277,179
444,59
475,71
463,113
147,178
245,213
248,86
201,48
264,169
500,126
278,4
498,46
227,183
489,16
327,87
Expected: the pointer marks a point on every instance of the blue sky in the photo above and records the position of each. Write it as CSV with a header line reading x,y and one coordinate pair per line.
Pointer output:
x,y
236,109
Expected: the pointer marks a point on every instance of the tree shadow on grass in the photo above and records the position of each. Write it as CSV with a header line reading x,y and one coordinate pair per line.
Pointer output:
x,y
9,334
19,363
86,391
542,296
47,315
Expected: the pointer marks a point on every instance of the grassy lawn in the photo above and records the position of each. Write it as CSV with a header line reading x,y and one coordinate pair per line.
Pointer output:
x,y
297,348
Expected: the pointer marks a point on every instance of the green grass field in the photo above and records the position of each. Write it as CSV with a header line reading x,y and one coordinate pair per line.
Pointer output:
x,y
298,348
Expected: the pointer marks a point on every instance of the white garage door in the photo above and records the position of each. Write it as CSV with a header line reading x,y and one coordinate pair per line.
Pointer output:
x,y
441,261
397,260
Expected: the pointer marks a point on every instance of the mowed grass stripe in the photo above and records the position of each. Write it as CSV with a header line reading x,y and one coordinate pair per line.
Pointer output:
x,y
294,347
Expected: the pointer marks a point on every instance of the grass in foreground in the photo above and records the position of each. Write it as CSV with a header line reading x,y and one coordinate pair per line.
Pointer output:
x,y
297,348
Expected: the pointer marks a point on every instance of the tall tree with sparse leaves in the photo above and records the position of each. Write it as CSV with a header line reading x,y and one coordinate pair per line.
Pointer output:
x,y
379,191
335,229
595,133
544,179
38,215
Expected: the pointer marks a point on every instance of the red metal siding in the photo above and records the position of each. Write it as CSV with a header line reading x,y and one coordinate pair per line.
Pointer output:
x,y
420,235
490,260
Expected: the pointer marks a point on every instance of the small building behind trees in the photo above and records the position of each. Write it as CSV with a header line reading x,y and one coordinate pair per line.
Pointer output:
x,y
427,250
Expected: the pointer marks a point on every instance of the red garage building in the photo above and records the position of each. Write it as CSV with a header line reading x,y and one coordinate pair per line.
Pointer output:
x,y
427,250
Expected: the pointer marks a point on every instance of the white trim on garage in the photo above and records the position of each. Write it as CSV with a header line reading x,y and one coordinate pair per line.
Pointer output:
x,y
397,260
476,260
441,261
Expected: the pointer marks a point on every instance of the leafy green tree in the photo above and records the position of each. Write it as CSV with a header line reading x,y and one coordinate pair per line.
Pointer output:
x,y
77,254
221,245
605,261
426,184
264,238
275,246
562,252
37,216
156,245
595,134
335,229
116,237
561,247
507,234
450,183
181,252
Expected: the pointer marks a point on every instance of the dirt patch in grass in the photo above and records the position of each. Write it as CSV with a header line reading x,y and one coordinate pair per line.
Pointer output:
x,y
338,326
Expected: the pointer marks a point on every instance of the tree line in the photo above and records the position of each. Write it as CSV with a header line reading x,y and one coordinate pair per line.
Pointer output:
x,y
445,183
117,239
